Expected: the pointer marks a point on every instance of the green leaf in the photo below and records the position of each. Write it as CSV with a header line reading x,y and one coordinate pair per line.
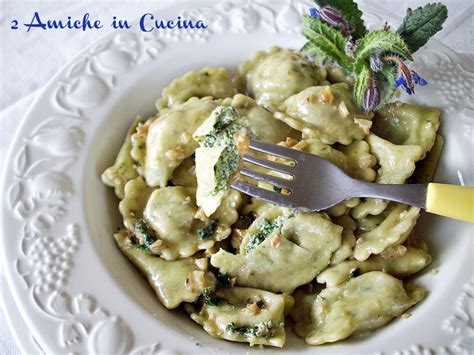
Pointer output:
x,y
351,13
361,83
421,24
325,42
379,41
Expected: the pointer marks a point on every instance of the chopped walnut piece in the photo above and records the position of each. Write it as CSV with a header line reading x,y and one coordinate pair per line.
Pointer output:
x,y
252,309
290,142
184,138
364,124
202,263
242,141
155,247
236,238
343,109
142,131
192,170
187,200
196,281
403,214
367,161
119,180
327,96
210,251
200,214
301,145
276,241
311,99
176,155
394,252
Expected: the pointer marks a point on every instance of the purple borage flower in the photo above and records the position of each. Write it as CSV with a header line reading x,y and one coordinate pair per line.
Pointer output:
x,y
408,78
371,97
415,78
333,17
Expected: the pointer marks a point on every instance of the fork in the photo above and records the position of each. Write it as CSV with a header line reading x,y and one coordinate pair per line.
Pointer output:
x,y
316,184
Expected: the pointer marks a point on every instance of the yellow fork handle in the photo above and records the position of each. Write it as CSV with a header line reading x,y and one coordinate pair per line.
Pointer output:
x,y
451,201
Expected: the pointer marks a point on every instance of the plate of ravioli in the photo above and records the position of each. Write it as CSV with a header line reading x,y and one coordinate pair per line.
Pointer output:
x,y
131,239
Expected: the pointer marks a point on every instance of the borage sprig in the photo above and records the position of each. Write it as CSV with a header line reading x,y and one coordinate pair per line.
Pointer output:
x,y
377,59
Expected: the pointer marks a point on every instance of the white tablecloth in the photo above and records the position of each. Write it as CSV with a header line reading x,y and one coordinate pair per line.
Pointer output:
x,y
28,60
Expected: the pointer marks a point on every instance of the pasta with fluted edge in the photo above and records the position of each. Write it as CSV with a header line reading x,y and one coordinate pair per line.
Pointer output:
x,y
240,266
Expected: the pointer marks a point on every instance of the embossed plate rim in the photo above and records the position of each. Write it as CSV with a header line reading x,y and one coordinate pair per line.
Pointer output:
x,y
74,304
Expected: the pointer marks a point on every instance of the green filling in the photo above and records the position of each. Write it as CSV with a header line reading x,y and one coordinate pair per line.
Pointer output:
x,y
209,298
226,166
208,230
264,229
222,135
264,329
144,231
222,280
221,132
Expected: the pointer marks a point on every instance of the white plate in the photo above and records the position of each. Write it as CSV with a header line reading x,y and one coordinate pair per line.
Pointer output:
x,y
72,286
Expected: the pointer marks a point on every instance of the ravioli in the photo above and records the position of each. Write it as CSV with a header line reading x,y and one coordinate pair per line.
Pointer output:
x,y
360,161
123,169
408,263
261,123
208,81
317,147
174,282
426,169
256,207
394,230
326,112
355,159
336,75
136,195
277,244
180,228
185,174
407,124
138,139
348,239
397,163
359,305
237,262
218,157
246,315
169,141
273,76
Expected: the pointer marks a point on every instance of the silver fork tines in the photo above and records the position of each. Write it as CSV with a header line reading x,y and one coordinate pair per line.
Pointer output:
x,y
273,149
316,183
272,180
266,195
271,165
